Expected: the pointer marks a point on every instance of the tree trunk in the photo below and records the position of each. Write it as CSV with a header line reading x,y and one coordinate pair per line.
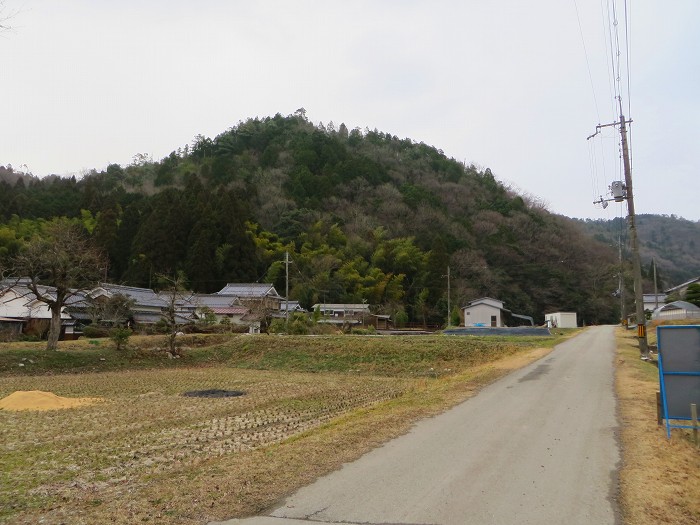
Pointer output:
x,y
55,328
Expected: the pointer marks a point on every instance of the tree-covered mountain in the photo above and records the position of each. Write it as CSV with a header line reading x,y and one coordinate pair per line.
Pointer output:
x,y
672,242
364,216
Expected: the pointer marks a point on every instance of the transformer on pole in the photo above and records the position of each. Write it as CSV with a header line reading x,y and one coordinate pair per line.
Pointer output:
x,y
621,192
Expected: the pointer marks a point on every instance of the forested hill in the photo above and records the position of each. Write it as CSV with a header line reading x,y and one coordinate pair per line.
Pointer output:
x,y
672,242
364,215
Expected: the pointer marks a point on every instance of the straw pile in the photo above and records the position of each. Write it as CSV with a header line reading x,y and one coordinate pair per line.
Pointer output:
x,y
37,400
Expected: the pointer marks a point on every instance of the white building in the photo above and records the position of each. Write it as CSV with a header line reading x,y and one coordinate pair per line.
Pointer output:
x,y
21,311
484,312
653,301
561,320
342,313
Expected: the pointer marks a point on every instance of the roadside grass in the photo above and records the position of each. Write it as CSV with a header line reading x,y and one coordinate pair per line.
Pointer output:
x,y
659,478
148,454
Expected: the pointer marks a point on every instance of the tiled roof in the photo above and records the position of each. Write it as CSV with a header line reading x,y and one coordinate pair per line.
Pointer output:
x,y
328,306
248,290
230,310
79,300
20,288
142,296
213,300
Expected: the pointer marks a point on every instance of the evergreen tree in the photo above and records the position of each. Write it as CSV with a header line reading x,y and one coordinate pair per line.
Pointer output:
x,y
692,295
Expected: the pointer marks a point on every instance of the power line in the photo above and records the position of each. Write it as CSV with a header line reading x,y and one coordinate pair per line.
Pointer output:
x,y
628,57
595,179
607,25
588,64
595,186
628,26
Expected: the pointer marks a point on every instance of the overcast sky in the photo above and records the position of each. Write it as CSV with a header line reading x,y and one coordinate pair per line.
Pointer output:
x,y
503,85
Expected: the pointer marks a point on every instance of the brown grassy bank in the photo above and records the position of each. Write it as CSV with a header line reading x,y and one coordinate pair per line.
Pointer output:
x,y
660,479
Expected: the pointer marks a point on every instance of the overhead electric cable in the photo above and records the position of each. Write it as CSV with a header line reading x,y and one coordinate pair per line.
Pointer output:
x,y
628,56
628,53
594,169
607,25
588,64
617,54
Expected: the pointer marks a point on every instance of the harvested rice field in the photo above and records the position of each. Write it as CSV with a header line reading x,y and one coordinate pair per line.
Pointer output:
x,y
133,445
146,427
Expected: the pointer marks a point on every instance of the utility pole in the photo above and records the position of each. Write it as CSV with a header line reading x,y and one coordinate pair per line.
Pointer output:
x,y
656,289
636,263
624,192
621,287
286,291
449,312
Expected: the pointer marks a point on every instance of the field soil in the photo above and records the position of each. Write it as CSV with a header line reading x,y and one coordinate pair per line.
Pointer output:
x,y
147,453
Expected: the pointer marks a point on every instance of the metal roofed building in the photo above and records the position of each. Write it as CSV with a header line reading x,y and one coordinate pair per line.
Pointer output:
x,y
487,311
676,310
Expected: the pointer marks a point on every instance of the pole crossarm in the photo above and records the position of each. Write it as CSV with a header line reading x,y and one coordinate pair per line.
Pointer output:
x,y
636,261
600,126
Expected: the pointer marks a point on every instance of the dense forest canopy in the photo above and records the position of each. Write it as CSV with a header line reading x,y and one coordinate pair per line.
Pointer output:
x,y
670,243
364,216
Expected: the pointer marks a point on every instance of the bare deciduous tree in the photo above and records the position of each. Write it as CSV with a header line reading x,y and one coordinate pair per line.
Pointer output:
x,y
174,293
59,265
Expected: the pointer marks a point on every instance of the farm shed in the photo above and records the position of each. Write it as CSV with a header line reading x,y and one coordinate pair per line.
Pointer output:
x,y
483,312
561,320
677,310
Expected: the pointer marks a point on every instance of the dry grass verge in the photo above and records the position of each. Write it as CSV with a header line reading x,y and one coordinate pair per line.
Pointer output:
x,y
660,479
148,454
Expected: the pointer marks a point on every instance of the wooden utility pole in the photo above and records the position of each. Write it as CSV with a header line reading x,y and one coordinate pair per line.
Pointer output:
x,y
656,288
621,287
286,291
449,312
636,263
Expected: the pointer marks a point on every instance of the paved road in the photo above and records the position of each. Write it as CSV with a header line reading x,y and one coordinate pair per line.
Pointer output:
x,y
536,447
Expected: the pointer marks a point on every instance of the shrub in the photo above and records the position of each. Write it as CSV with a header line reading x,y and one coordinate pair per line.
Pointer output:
x,y
120,336
401,318
299,324
208,316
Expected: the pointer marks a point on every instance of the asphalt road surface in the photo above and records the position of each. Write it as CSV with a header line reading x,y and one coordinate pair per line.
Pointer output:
x,y
536,447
